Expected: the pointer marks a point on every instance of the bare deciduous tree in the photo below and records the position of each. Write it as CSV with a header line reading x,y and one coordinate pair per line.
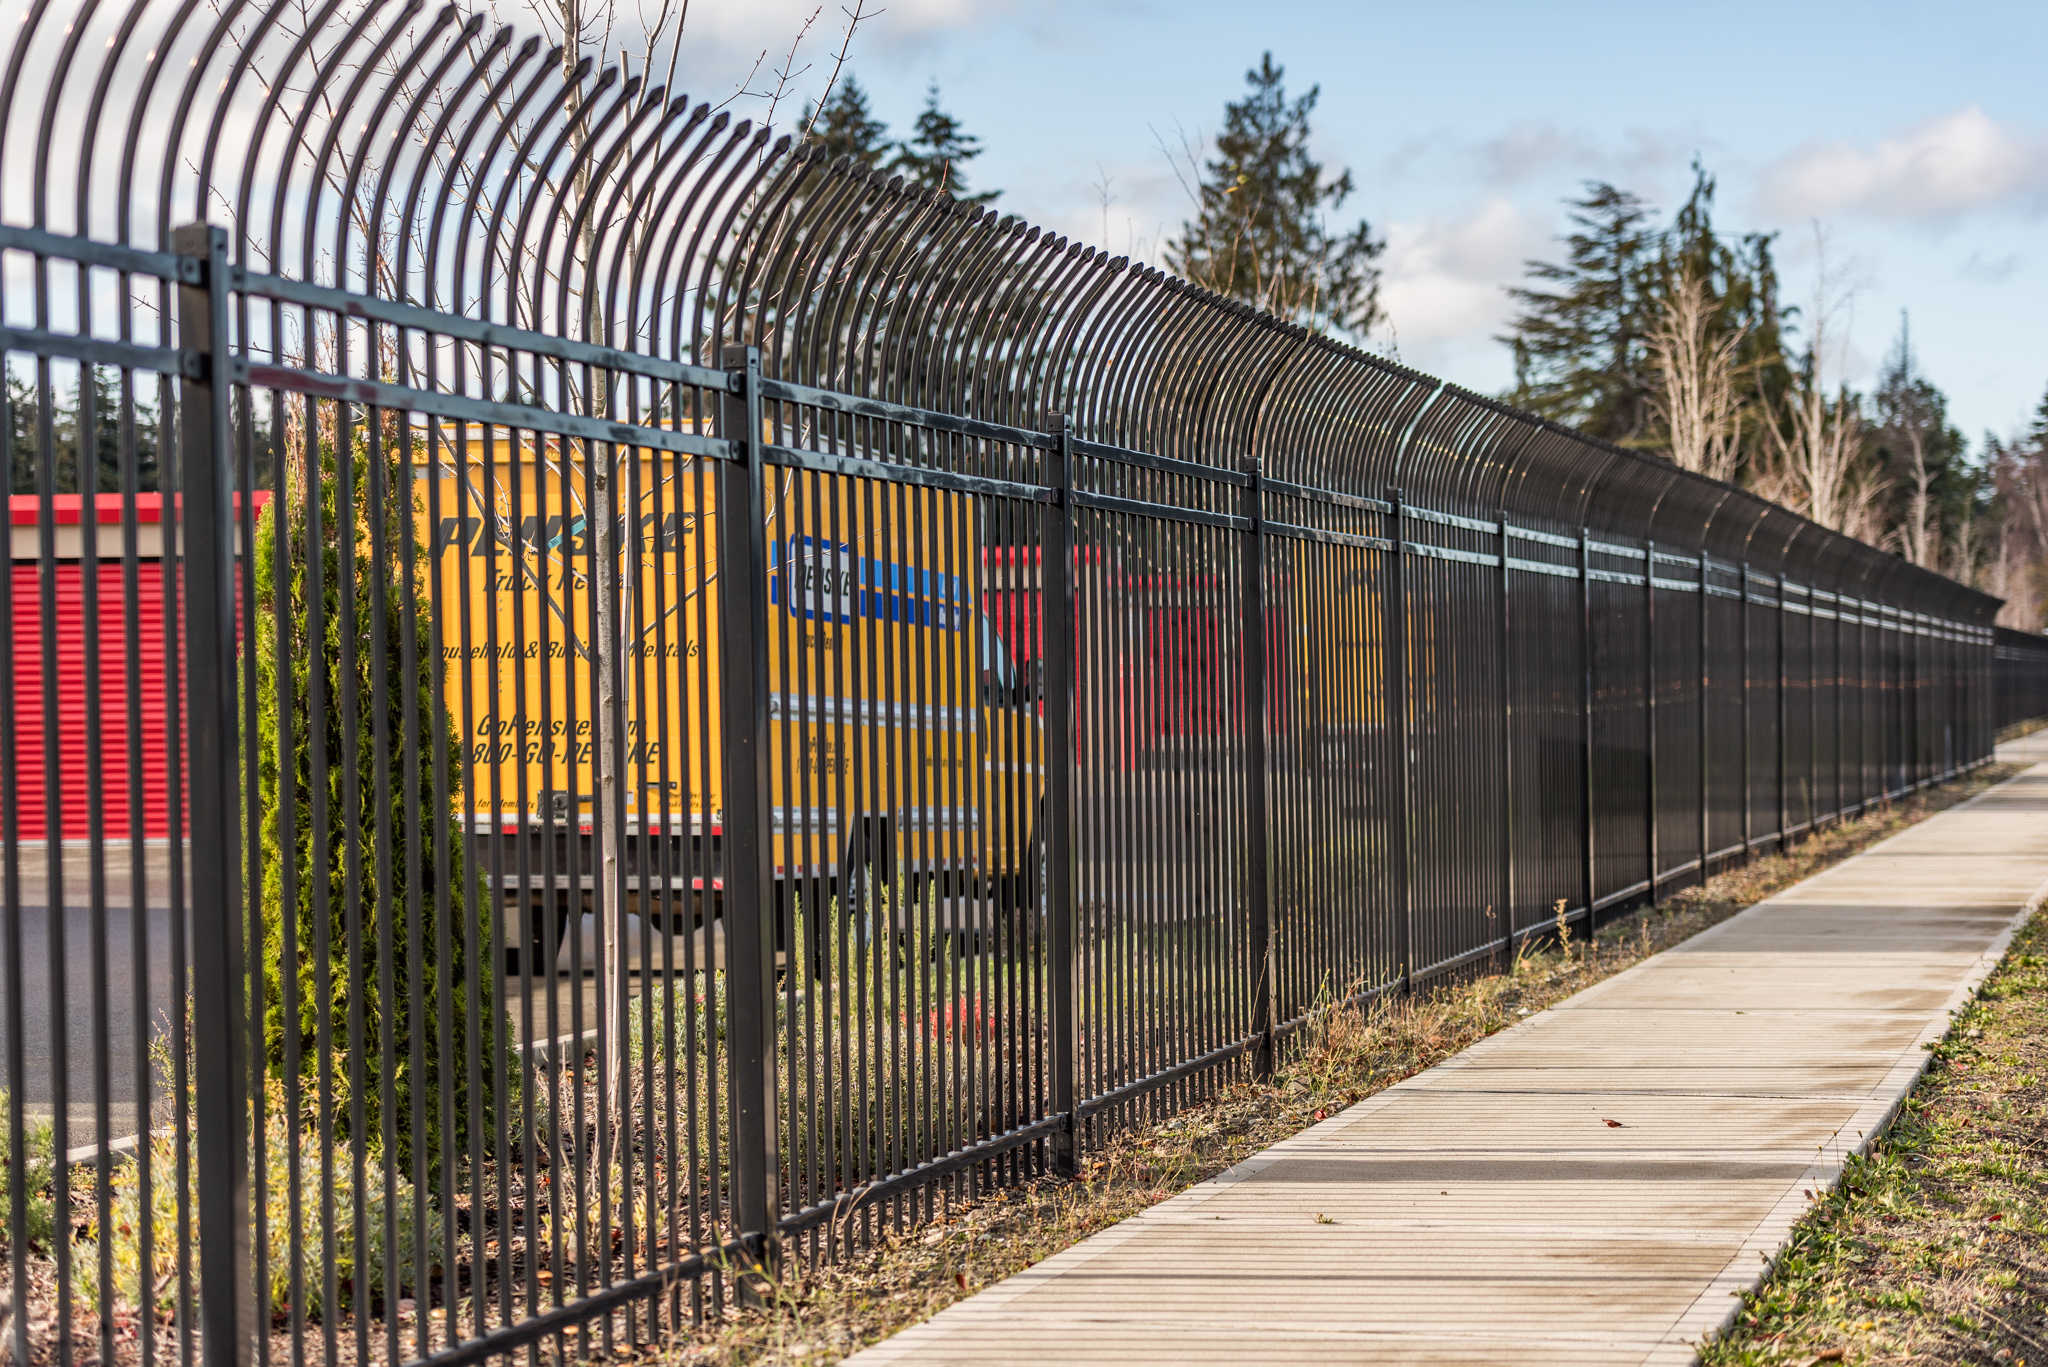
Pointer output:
x,y
1919,536
1818,465
1696,375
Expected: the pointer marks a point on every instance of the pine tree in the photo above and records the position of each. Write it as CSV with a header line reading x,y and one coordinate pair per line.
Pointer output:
x,y
340,966
1260,232
936,154
103,389
1580,347
847,127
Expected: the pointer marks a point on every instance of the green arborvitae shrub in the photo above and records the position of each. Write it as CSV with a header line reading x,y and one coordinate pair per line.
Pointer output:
x,y
438,940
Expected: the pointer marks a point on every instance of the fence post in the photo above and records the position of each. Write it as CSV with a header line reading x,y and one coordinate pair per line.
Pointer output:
x,y
1257,875
1586,715
1862,707
749,909
1706,681
1842,724
1056,611
1923,755
227,1306
1812,709
1748,795
1872,763
1507,750
1784,715
1397,703
1650,707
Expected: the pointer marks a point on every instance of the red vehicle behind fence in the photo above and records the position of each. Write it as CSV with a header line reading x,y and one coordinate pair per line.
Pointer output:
x,y
1152,654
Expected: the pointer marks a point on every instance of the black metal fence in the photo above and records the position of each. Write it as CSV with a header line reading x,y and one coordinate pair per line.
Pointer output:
x,y
596,702
2021,674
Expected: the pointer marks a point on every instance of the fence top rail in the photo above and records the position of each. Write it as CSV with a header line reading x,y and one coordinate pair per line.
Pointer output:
x,y
458,327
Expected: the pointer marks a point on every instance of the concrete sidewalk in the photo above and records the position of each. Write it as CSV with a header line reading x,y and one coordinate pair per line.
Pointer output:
x,y
1593,1185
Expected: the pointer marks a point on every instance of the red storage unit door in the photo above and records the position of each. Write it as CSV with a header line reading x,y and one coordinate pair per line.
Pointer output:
x,y
108,701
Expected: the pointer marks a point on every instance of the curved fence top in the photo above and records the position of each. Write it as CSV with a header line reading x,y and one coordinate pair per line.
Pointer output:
x,y
431,158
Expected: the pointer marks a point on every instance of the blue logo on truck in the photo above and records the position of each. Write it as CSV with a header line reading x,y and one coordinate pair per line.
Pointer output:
x,y
826,581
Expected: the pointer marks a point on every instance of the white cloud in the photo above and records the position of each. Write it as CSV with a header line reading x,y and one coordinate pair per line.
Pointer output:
x,y
1990,270
1442,280
1946,166
1532,148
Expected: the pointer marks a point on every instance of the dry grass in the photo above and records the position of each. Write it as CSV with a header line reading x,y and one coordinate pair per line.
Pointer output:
x,y
820,1315
2020,730
1934,1249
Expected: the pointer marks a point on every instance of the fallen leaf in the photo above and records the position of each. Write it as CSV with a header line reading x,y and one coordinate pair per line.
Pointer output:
x,y
1322,1115
1612,1124
1827,1355
960,1280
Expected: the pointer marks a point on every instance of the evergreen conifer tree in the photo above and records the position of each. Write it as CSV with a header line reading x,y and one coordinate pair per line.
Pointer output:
x,y
936,154
1260,232
846,127
103,393
1580,344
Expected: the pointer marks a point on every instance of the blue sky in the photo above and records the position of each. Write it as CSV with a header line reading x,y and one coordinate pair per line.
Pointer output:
x,y
1914,137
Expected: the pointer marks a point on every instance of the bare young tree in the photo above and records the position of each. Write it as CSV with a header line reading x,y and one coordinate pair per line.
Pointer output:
x,y
1965,547
1919,536
1696,375
1818,465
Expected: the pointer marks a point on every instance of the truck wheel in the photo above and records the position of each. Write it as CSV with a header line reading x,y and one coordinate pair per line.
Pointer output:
x,y
869,907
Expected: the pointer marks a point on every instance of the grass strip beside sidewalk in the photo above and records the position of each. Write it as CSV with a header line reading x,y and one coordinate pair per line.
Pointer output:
x,y
1934,1247
824,1313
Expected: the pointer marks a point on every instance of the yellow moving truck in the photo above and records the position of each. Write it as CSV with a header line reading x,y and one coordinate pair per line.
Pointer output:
x,y
905,747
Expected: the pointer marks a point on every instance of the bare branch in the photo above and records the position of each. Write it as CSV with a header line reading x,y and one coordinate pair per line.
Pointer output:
x,y
748,80
853,18
785,75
